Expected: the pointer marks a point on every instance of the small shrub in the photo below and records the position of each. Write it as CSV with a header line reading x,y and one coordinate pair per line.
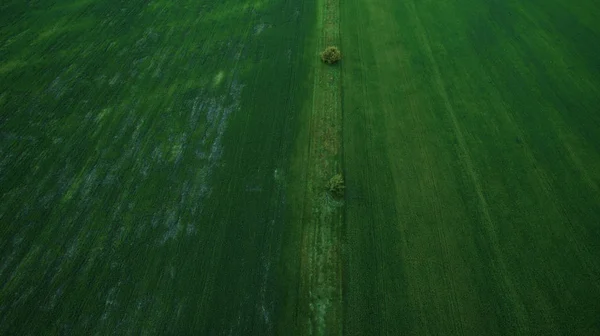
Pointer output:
x,y
336,186
331,55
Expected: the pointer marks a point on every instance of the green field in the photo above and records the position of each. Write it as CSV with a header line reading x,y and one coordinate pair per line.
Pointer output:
x,y
472,154
163,167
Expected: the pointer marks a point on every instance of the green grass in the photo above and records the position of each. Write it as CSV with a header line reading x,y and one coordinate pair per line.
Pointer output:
x,y
317,212
144,161
472,167
164,167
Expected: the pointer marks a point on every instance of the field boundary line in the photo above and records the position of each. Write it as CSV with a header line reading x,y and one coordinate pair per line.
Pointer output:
x,y
322,214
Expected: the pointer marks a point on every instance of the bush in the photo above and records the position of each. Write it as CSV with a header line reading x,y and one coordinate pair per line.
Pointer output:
x,y
336,186
331,55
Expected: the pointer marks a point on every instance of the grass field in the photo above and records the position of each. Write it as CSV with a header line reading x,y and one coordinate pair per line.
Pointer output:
x,y
145,154
163,167
471,148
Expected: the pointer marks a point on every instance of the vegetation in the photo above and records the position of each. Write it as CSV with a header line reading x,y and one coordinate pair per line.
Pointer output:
x,y
98,185
331,55
336,186
452,215
177,161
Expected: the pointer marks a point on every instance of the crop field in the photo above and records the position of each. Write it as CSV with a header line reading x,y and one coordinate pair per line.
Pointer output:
x,y
163,167
472,159
144,159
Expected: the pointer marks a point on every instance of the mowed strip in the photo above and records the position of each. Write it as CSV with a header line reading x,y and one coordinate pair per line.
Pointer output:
x,y
320,305
472,173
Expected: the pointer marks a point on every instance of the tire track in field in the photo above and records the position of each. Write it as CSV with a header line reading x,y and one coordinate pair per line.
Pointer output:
x,y
354,323
369,131
376,231
427,182
263,306
567,137
430,183
591,265
520,312
375,281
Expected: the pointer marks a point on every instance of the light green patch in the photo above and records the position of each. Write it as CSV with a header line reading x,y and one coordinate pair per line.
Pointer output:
x,y
218,78
11,65
72,190
176,151
15,38
103,113
76,5
52,31
62,27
